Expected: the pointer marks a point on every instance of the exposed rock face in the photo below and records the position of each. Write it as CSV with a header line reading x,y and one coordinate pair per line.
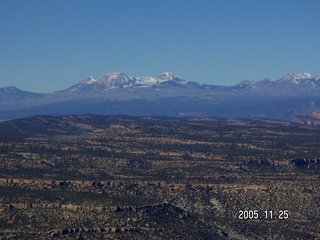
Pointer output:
x,y
312,118
315,114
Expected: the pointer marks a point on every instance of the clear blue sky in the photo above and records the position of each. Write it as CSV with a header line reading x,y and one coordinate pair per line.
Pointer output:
x,y
51,45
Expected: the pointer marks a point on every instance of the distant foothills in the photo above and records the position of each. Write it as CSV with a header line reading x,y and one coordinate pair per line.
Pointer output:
x,y
294,97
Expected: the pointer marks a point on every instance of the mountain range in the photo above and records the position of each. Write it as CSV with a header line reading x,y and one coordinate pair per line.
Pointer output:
x,y
169,95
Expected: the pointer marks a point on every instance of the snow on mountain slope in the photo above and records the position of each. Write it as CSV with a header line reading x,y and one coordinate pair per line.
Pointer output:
x,y
169,94
303,81
114,80
299,78
289,85
164,77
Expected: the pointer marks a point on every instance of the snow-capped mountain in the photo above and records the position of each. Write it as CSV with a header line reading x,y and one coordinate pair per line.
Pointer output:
x,y
289,85
170,95
299,78
249,84
107,81
289,78
295,84
117,80
246,83
163,78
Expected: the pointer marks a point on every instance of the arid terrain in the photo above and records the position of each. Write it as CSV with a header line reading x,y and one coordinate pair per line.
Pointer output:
x,y
119,177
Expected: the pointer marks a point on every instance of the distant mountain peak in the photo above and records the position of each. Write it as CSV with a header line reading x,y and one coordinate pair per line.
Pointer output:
x,y
113,80
291,78
114,77
168,75
246,83
118,80
10,90
169,94
265,82
89,80
297,78
113,74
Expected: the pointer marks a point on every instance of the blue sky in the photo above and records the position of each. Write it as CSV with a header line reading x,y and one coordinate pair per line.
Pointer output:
x,y
51,45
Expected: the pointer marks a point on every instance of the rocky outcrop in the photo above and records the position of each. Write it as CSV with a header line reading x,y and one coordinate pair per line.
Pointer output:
x,y
312,118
